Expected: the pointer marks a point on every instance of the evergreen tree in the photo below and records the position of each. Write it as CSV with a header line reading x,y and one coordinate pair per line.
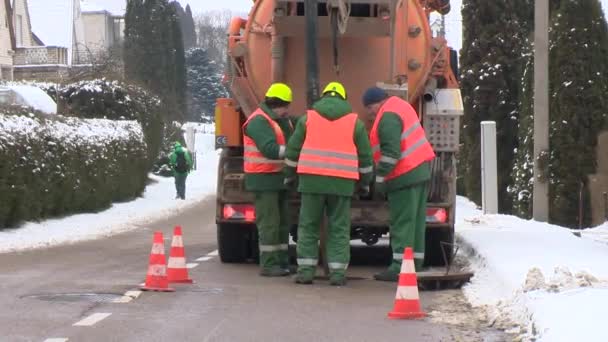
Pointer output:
x,y
204,84
578,105
189,30
179,65
578,110
154,53
133,45
491,63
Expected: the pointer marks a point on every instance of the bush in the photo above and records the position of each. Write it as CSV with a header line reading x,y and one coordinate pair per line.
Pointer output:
x,y
55,165
115,101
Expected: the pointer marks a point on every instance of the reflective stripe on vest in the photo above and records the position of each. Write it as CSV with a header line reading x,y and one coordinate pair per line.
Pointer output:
x,y
415,148
254,160
329,147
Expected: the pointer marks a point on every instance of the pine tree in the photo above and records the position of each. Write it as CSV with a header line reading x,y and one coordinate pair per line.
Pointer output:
x,y
578,105
179,65
154,53
491,63
204,84
189,30
133,45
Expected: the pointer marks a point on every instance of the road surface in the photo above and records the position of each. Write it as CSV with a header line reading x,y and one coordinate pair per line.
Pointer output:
x,y
77,293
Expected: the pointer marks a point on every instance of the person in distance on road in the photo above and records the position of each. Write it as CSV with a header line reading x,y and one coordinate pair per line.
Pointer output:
x,y
265,134
401,155
329,151
181,163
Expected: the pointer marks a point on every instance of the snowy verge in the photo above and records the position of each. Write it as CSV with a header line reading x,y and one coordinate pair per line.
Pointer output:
x,y
540,277
156,203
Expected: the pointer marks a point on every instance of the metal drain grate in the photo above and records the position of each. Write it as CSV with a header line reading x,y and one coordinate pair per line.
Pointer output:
x,y
76,297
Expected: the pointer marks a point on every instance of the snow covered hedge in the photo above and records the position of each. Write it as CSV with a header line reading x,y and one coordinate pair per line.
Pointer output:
x,y
55,165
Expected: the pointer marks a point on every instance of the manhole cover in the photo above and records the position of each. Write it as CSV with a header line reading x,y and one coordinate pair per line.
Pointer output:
x,y
76,297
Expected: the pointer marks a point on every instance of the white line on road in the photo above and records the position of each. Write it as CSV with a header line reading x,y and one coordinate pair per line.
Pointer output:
x,y
127,297
205,258
192,265
214,253
56,339
91,320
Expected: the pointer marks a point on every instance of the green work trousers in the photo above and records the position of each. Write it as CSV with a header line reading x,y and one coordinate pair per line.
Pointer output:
x,y
408,223
312,209
271,210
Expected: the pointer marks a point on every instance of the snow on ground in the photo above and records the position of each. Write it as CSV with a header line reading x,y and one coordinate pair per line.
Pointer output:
x,y
156,202
551,283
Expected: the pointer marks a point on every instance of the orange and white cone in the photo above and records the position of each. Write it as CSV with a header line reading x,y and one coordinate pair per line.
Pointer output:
x,y
407,301
156,279
177,270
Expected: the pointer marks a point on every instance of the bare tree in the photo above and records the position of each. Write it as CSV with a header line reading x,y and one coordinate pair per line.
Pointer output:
x,y
98,63
211,29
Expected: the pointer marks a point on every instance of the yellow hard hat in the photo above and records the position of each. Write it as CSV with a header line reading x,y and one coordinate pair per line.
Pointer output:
x,y
335,88
280,91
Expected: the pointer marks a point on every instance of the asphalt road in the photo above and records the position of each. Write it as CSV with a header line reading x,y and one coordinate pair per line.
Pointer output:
x,y
66,293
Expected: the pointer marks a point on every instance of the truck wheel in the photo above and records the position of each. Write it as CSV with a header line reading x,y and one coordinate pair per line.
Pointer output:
x,y
232,242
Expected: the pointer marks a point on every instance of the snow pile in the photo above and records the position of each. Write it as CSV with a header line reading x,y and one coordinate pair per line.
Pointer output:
x,y
156,202
534,276
599,233
30,96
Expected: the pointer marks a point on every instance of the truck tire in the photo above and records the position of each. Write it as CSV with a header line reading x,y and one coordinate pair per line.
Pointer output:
x,y
232,242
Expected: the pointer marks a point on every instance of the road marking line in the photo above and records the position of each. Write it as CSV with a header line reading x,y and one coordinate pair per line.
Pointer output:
x,y
192,265
214,253
133,294
127,297
205,258
56,339
92,320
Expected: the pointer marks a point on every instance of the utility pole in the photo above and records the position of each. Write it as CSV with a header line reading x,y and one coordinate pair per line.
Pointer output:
x,y
540,207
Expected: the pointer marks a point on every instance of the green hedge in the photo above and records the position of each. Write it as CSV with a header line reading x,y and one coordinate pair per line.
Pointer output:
x,y
55,165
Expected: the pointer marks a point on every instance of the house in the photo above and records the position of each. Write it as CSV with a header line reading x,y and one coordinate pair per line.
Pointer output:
x,y
50,38
57,24
103,31
7,41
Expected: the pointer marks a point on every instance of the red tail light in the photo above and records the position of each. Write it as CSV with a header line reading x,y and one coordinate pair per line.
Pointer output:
x,y
241,212
436,215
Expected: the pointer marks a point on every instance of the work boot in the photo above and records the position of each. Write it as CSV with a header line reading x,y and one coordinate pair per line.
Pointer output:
x,y
305,276
337,281
387,275
274,272
300,279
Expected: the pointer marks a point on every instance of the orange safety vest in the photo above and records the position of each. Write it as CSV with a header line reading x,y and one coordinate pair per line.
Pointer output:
x,y
415,148
329,148
255,162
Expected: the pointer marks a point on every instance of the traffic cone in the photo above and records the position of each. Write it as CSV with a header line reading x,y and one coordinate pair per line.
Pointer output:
x,y
156,279
407,302
177,270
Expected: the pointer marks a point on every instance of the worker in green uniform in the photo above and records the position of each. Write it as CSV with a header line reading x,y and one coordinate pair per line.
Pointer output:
x,y
330,152
265,134
181,164
401,155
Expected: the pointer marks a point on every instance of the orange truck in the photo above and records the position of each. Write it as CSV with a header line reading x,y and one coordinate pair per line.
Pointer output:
x,y
360,43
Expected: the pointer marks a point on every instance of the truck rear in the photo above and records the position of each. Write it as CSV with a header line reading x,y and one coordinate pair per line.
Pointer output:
x,y
360,43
